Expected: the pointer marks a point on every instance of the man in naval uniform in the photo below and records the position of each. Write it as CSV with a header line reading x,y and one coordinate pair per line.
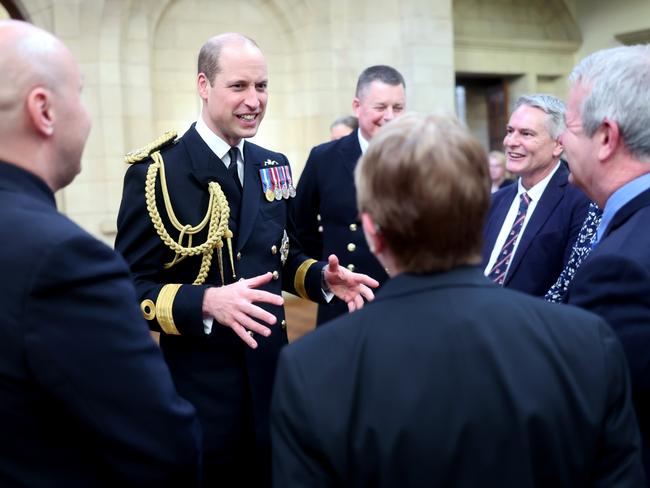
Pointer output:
x,y
325,208
203,225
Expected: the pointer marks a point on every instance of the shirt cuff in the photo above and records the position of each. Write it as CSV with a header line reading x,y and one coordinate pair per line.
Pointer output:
x,y
207,325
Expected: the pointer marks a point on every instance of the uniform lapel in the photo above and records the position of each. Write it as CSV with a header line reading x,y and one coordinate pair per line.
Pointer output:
x,y
250,202
205,167
350,152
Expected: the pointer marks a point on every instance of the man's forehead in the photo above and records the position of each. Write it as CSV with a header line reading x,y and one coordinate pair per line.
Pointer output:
x,y
526,115
378,89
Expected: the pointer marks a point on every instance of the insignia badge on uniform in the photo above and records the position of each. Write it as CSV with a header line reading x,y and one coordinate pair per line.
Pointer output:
x,y
270,162
284,248
267,183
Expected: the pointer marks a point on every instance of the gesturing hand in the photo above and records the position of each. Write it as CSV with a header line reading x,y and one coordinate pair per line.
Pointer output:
x,y
350,287
233,306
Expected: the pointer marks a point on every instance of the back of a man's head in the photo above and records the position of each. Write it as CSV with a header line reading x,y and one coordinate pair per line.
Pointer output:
x,y
424,182
618,84
43,123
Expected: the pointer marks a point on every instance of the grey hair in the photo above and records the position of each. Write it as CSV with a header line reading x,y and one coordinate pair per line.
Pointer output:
x,y
552,106
347,120
381,72
618,84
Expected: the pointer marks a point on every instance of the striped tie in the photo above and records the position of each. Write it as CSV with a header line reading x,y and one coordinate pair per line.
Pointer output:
x,y
500,268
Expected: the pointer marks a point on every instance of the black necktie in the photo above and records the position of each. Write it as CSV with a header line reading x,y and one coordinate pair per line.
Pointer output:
x,y
232,166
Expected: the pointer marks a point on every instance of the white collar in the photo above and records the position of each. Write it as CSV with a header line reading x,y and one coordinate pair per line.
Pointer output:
x,y
363,143
536,191
216,144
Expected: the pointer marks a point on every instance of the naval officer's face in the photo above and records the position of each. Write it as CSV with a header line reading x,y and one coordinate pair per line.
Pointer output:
x,y
235,101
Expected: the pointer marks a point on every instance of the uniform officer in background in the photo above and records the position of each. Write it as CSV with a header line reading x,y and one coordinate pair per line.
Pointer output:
x,y
325,208
85,396
203,224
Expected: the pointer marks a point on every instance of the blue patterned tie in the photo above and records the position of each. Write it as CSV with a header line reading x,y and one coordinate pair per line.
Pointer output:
x,y
498,272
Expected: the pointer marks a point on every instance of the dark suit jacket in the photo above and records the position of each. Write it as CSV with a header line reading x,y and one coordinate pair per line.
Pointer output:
x,y
548,238
326,188
448,380
85,396
614,282
229,383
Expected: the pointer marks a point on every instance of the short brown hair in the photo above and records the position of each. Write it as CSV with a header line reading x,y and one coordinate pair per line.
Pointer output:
x,y
424,182
208,62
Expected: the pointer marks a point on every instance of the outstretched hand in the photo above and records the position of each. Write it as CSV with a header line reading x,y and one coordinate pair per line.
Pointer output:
x,y
350,287
233,306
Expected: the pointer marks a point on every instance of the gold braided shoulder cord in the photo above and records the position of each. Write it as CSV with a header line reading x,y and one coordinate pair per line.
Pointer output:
x,y
216,218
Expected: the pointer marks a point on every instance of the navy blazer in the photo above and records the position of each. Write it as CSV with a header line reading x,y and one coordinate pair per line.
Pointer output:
x,y
614,282
448,380
85,396
548,238
229,383
327,188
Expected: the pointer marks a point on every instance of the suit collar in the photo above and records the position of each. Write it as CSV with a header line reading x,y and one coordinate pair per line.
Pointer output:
x,y
550,199
409,283
16,179
629,209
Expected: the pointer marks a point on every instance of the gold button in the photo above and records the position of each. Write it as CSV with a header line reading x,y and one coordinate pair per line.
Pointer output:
x,y
352,247
353,227
238,256
274,249
276,275
320,228
283,324
350,267
318,217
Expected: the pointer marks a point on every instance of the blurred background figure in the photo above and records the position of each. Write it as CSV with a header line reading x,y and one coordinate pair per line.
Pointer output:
x,y
343,126
498,173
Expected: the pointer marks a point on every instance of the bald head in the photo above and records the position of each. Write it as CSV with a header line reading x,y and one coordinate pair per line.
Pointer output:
x,y
28,58
43,124
211,51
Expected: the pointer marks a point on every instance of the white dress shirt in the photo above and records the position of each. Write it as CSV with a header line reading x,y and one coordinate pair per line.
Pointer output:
x,y
535,193
220,147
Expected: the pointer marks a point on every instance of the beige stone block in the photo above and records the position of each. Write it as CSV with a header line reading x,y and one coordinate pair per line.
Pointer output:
x,y
110,100
137,52
67,21
92,170
86,197
110,73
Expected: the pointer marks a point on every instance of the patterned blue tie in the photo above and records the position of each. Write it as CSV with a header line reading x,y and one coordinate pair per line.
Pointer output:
x,y
498,272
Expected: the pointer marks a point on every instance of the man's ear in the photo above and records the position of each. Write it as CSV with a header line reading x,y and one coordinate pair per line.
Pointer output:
x,y
559,148
375,240
203,85
356,103
40,111
608,138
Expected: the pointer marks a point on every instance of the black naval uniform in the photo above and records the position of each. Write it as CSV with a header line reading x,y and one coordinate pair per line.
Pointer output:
x,y
326,215
229,383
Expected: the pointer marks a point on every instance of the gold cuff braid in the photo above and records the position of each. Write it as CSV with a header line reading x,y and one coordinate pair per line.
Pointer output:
x,y
164,307
299,279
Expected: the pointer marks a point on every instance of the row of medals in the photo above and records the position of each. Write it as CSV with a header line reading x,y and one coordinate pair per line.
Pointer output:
x,y
280,183
286,191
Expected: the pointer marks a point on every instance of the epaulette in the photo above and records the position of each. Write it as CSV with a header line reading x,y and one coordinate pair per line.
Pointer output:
x,y
138,155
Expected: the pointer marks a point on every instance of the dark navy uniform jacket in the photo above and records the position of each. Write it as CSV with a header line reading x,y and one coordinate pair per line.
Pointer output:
x,y
446,380
614,282
326,188
229,383
85,396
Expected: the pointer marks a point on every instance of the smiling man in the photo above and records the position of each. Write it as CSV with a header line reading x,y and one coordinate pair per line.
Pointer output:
x,y
203,225
325,208
532,225
607,139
